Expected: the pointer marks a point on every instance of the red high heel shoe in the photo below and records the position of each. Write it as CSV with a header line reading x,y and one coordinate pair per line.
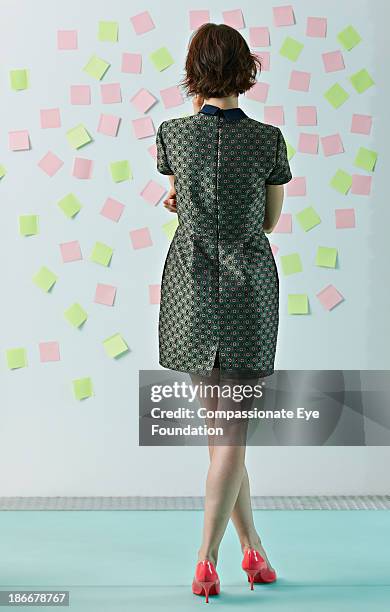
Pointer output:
x,y
206,580
256,567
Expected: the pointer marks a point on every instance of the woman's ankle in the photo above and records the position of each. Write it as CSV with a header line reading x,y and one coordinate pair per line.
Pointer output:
x,y
209,555
250,542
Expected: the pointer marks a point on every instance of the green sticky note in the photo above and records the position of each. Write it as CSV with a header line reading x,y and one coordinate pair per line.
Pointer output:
x,y
78,136
108,31
161,58
308,218
366,159
326,256
28,225
169,228
101,254
44,278
290,150
361,80
336,95
2,171
349,38
297,303
82,388
19,79
291,264
120,171
70,205
76,315
96,67
341,181
16,358
291,48
115,345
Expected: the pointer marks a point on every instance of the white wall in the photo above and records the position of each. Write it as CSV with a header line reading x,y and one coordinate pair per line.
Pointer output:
x,y
51,444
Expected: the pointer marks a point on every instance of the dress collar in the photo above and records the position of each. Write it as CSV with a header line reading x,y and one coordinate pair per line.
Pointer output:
x,y
230,114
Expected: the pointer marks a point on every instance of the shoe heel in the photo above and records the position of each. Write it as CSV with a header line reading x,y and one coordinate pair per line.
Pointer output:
x,y
206,586
251,575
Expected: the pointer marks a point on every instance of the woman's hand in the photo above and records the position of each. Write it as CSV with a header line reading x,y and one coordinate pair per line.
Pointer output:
x,y
197,102
170,200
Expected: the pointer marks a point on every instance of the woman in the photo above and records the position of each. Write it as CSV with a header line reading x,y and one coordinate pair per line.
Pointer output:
x,y
219,307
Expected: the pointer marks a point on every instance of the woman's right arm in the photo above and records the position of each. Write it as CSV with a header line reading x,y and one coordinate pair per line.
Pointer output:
x,y
273,206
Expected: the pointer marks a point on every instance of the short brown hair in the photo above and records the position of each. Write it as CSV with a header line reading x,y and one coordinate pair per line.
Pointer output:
x,y
219,62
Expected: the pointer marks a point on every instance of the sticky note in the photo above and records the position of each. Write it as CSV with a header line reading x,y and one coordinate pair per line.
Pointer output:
x,y
308,143
76,315
290,150
96,67
233,18
333,61
108,31
259,92
297,303
326,257
316,27
170,228
259,37
44,278
82,168
329,297
142,22
78,136
297,186
115,345
308,218
291,264
361,124
131,63
332,144
361,80
299,80
80,94
105,294
283,15
154,294
70,205
140,238
361,184
143,100
171,96
66,40
341,181
101,254
152,192
82,388
19,79
265,59
49,351
50,163
198,18
306,115
284,224
108,125
120,171
274,115
19,140
50,118
336,95
28,225
161,58
111,93
112,209
291,48
70,251
345,218
16,358
349,38
143,127
3,171
366,159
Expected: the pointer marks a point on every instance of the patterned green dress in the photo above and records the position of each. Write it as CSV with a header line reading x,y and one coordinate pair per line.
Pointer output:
x,y
220,285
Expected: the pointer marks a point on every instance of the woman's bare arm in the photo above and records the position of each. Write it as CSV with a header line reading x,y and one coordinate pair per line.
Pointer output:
x,y
273,206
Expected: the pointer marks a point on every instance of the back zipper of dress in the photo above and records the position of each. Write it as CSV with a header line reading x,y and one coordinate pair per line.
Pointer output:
x,y
217,201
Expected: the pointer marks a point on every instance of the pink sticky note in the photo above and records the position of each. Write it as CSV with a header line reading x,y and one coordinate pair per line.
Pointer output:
x,y
333,61
110,93
153,150
140,238
361,124
332,145
143,127
108,124
70,251
142,22
143,100
152,192
274,249
283,15
112,209
198,18
66,39
297,186
361,184
259,37
259,92
50,118
105,294
50,163
233,18
284,224
274,115
265,59
80,94
329,297
345,218
171,96
49,351
308,143
82,168
19,140
131,62
306,115
154,294
316,27
299,81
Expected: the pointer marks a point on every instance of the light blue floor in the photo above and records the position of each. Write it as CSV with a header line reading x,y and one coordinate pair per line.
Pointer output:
x,y
115,561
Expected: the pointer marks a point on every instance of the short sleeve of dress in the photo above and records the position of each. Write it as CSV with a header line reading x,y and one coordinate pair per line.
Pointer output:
x,y
162,160
281,172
